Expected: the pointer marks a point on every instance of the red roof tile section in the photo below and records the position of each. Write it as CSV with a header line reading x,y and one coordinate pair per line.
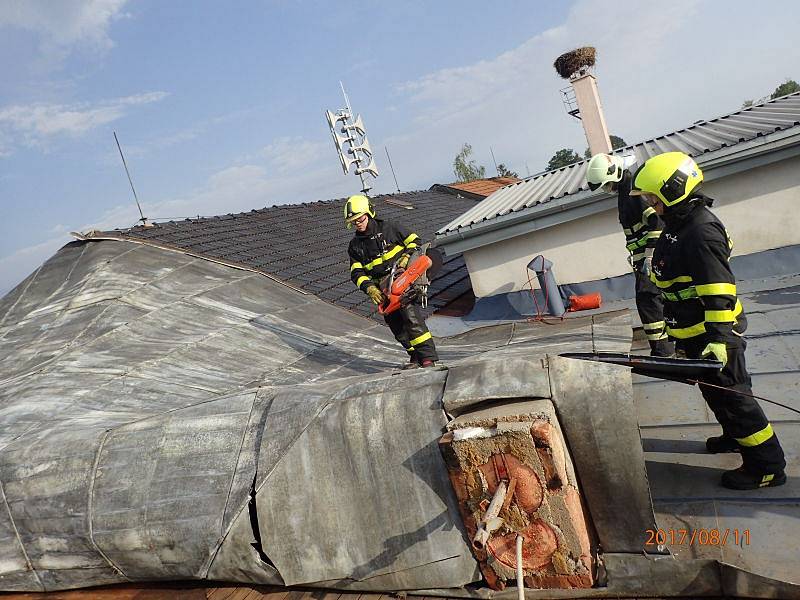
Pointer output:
x,y
483,187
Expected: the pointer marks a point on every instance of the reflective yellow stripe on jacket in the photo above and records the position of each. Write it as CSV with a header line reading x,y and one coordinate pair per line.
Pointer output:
x,y
410,242
711,316
664,284
384,257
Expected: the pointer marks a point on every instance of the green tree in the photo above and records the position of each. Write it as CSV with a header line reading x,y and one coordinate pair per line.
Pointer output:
x,y
503,171
466,169
562,158
747,104
616,142
787,87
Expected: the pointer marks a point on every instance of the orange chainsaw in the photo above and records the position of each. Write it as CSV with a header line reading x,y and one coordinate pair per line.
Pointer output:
x,y
405,287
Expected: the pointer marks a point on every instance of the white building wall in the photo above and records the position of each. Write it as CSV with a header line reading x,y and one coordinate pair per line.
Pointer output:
x,y
760,209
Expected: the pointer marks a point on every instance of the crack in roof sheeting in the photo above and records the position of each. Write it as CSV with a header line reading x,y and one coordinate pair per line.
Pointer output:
x,y
90,505
756,119
711,142
746,126
19,539
740,134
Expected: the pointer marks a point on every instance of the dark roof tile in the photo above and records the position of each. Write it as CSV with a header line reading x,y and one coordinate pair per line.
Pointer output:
x,y
305,244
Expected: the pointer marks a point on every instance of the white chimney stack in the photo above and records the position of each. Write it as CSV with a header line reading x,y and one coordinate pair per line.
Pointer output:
x,y
591,112
575,66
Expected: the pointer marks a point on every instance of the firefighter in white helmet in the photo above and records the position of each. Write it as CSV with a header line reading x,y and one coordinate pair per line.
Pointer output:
x,y
641,226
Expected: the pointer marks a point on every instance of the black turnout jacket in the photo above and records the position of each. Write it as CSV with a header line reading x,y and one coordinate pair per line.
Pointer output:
x,y
374,252
691,268
639,220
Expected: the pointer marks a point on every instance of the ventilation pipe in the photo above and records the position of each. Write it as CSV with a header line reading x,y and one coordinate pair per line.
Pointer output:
x,y
547,282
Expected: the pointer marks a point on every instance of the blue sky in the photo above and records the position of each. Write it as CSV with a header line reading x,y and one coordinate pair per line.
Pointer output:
x,y
219,106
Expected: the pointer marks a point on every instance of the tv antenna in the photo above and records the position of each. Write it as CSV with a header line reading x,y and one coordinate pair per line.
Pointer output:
x,y
143,220
353,142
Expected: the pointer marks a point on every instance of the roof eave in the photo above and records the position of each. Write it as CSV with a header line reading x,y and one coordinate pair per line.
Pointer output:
x,y
719,163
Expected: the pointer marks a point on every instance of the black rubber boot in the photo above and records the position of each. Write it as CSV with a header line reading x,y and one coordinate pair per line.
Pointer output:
x,y
740,479
720,444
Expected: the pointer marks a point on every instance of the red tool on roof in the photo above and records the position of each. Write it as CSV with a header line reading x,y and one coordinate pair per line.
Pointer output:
x,y
401,288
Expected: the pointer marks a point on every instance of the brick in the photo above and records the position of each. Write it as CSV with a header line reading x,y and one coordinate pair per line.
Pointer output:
x,y
523,442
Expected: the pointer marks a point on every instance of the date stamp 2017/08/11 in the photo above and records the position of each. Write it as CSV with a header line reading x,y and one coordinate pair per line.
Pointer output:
x,y
700,537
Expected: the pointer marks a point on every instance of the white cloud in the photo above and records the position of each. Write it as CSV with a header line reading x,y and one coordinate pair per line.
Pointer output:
x,y
293,154
34,123
63,24
162,139
659,68
237,188
17,266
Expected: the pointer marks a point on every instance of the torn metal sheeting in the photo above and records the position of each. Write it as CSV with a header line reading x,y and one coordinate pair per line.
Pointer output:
x,y
596,411
476,380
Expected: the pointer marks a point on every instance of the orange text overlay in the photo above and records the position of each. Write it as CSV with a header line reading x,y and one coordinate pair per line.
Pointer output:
x,y
698,537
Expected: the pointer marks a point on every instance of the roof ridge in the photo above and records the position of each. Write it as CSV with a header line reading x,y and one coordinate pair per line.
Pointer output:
x,y
664,135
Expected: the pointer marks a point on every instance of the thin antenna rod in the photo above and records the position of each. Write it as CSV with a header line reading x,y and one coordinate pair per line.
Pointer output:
x,y
346,101
496,170
397,185
124,164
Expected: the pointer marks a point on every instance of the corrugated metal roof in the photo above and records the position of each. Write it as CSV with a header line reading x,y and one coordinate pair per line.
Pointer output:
x,y
697,140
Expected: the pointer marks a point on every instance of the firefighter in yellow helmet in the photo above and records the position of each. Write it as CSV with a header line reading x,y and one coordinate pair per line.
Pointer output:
x,y
376,246
704,316
641,226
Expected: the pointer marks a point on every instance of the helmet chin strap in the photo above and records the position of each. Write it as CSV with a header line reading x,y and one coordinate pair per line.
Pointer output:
x,y
683,209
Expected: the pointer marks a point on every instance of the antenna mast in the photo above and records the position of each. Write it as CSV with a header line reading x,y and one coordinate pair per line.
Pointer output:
x,y
353,143
143,219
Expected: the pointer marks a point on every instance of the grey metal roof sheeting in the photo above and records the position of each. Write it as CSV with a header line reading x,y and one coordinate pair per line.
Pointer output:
x,y
164,417
698,140
146,396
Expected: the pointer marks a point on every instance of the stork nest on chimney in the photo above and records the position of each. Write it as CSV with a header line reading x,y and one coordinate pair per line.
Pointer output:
x,y
571,62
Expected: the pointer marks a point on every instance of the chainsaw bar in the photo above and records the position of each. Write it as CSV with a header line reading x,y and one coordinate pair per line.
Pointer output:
x,y
673,369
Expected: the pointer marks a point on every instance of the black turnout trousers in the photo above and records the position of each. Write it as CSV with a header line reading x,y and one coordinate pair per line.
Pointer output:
x,y
408,326
740,416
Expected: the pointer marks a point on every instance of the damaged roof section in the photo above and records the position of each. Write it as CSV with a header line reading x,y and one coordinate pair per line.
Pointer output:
x,y
305,245
141,385
478,188
168,417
